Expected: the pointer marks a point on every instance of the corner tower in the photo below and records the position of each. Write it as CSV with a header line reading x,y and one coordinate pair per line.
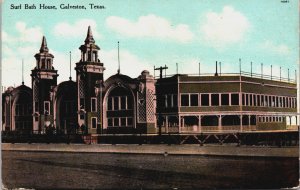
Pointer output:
x,y
89,75
43,78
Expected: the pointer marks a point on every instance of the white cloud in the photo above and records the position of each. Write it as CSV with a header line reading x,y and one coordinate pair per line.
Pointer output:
x,y
61,62
275,48
77,29
225,28
33,34
23,45
150,26
130,64
24,34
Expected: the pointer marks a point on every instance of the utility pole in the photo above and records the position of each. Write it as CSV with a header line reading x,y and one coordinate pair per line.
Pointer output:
x,y
159,97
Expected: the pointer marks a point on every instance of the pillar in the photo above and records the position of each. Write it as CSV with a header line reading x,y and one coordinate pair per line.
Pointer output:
x,y
167,125
179,123
199,124
219,123
241,122
249,121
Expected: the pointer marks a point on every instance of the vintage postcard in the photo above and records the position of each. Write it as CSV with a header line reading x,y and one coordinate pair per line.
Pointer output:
x,y
150,94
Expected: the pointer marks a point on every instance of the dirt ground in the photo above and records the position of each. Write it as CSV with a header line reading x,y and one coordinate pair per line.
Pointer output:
x,y
58,170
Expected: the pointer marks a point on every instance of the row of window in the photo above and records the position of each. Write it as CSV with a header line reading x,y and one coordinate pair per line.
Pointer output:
x,y
268,119
93,104
119,103
269,101
119,122
209,99
21,125
231,99
44,64
23,109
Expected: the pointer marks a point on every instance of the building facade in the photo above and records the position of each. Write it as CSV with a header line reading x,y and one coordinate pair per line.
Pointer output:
x,y
225,103
121,104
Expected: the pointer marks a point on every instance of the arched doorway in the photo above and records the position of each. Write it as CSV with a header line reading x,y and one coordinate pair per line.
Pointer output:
x,y
66,108
22,107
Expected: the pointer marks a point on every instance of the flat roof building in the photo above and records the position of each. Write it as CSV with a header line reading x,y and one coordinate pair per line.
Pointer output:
x,y
224,103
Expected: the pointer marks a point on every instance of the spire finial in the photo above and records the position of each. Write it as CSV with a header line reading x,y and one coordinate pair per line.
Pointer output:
x,y
44,47
216,74
70,65
118,58
89,37
22,71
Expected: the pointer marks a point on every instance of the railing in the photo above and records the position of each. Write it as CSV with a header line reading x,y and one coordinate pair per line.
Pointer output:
x,y
197,129
243,73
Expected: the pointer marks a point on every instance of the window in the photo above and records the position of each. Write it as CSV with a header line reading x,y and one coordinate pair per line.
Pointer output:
x,y
283,100
270,101
123,121
129,121
94,122
262,100
258,100
194,100
123,103
109,104
247,99
116,103
43,63
169,100
243,99
266,101
185,100
109,122
250,99
224,99
254,100
215,100
116,122
93,104
235,99
273,101
89,56
205,99
46,107
129,103
48,64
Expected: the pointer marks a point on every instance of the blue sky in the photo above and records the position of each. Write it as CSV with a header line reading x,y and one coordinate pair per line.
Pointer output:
x,y
155,33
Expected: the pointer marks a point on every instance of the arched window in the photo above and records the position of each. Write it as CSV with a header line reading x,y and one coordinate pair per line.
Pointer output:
x,y
120,108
